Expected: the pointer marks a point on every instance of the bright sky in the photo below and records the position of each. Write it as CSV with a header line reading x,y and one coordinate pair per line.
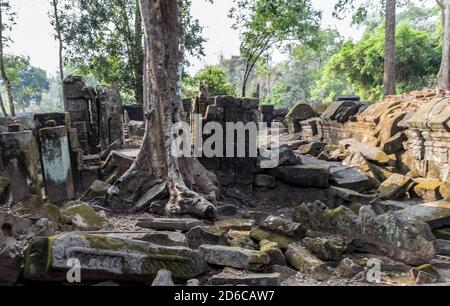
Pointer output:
x,y
33,34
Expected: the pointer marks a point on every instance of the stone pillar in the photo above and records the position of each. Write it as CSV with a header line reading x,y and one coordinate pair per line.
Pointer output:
x,y
56,163
20,159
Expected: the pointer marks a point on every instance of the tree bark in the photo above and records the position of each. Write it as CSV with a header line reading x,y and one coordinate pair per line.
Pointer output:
x,y
192,188
2,106
58,35
389,54
60,47
2,68
139,69
443,79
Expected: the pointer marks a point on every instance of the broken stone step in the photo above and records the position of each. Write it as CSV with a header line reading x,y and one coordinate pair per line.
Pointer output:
x,y
102,257
234,257
301,259
248,279
170,224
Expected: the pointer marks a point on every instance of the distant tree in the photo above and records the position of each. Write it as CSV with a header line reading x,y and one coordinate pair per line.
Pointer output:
x,y
418,58
105,38
7,20
265,24
443,81
57,26
28,83
216,81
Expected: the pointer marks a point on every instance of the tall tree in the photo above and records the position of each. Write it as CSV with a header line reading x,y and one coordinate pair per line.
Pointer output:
x,y
6,19
192,188
266,24
443,81
389,80
105,38
57,25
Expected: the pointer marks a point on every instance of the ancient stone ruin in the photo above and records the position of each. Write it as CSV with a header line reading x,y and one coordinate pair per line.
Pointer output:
x,y
359,195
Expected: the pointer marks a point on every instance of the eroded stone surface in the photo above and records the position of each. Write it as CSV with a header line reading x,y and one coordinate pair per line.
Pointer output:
x,y
234,257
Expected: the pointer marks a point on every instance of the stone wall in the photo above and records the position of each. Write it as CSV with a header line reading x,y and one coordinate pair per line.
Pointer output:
x,y
413,129
96,114
234,173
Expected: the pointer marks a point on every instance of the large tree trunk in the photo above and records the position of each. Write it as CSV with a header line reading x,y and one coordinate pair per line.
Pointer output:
x,y
192,188
2,106
2,68
139,61
443,81
389,54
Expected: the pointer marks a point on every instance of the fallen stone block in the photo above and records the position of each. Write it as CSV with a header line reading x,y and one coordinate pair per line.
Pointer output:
x,y
212,235
359,161
312,148
348,268
346,197
165,238
235,224
83,216
234,257
284,227
369,152
103,257
327,248
234,277
303,176
155,193
11,261
395,187
395,235
98,189
163,279
383,206
301,111
170,224
443,247
341,111
302,260
260,234
350,178
436,214
273,250
427,189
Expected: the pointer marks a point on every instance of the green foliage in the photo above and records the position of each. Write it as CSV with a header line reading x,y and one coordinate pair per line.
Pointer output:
x,y
105,38
8,20
266,24
214,78
418,58
29,83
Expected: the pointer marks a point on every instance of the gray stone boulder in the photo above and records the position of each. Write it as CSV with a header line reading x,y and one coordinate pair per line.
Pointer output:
x,y
212,235
394,235
341,111
235,277
107,257
283,227
303,176
234,257
11,261
163,279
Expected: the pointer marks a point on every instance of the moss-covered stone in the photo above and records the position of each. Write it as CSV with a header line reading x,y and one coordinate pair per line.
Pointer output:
x,y
51,212
108,257
302,260
83,216
428,189
273,250
394,187
260,234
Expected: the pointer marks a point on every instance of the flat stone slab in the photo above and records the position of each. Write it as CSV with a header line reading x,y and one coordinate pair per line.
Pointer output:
x,y
436,214
303,176
234,257
369,152
170,224
236,224
230,277
102,257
